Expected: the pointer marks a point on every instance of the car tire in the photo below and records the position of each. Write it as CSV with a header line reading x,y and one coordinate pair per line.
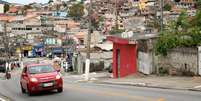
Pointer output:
x,y
60,90
23,90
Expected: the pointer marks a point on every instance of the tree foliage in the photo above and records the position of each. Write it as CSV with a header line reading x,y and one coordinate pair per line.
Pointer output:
x,y
50,1
27,7
198,4
76,10
179,33
154,23
196,21
6,8
116,31
167,7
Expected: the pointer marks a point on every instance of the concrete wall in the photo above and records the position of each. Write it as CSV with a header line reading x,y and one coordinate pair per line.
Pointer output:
x,y
15,29
145,56
95,38
99,61
180,61
145,62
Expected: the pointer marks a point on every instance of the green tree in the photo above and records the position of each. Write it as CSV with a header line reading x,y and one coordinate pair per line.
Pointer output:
x,y
6,8
76,11
116,31
182,23
198,4
50,1
196,21
167,7
25,8
154,23
178,34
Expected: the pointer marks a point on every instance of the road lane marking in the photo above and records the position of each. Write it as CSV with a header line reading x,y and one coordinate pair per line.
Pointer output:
x,y
109,93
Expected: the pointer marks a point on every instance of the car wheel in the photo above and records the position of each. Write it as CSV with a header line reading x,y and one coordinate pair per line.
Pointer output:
x,y
23,90
60,90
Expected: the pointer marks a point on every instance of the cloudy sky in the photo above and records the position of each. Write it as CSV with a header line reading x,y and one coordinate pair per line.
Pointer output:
x,y
27,1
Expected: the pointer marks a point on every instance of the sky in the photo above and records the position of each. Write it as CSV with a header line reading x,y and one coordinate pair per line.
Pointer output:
x,y
27,1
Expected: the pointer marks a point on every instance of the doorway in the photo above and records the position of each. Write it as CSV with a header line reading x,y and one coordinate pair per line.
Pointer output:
x,y
118,63
26,52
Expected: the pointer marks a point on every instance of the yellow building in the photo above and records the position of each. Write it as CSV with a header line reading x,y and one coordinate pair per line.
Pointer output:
x,y
142,4
25,50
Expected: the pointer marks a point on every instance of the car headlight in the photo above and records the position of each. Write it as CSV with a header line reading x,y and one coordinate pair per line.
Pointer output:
x,y
34,80
58,76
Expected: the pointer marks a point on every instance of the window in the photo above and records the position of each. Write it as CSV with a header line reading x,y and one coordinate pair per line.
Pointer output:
x,y
41,69
28,28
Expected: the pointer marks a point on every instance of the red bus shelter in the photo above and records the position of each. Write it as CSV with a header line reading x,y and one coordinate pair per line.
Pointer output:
x,y
124,56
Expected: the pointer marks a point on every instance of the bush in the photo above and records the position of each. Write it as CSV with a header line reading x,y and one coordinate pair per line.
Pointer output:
x,y
178,34
163,71
116,31
167,7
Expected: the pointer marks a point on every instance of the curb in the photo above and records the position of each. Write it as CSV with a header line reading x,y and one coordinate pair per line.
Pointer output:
x,y
5,98
145,85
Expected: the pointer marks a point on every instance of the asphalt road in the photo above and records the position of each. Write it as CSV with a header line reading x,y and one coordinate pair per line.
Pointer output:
x,y
74,91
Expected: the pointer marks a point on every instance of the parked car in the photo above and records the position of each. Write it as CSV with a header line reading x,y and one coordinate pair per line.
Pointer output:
x,y
40,77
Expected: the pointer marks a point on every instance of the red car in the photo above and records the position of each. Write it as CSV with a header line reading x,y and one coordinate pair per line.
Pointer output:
x,y
40,77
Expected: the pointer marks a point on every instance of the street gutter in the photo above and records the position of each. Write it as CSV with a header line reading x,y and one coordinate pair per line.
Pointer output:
x,y
144,85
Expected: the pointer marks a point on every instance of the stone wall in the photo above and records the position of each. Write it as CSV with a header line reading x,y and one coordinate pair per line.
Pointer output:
x,y
179,61
99,61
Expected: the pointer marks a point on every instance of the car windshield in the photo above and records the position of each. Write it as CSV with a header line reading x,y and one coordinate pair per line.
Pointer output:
x,y
41,69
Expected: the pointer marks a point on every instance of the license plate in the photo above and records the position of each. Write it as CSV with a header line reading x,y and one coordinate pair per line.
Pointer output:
x,y
47,84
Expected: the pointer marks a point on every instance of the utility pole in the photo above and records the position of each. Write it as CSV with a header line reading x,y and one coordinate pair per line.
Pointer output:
x,y
87,62
116,15
6,45
161,4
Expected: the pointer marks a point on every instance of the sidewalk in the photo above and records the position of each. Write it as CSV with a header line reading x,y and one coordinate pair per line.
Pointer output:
x,y
13,73
153,81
